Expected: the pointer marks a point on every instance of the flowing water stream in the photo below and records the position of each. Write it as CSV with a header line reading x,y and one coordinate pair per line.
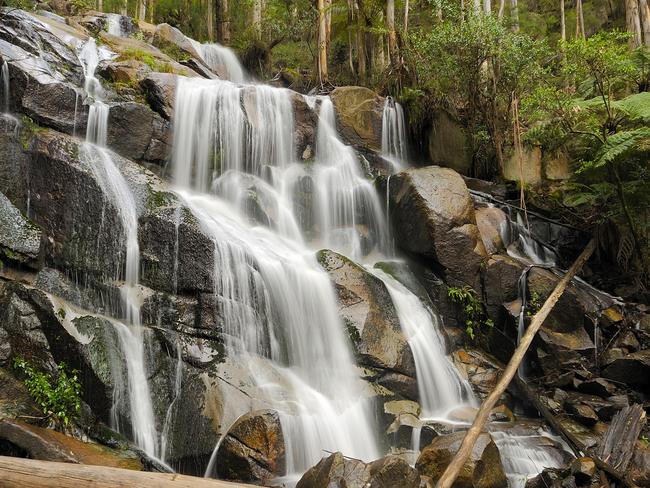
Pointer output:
x,y
4,80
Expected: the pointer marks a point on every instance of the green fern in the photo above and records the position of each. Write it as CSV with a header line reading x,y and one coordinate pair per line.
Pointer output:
x,y
618,146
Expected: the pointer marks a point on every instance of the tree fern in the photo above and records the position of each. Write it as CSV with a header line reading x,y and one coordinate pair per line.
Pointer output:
x,y
620,145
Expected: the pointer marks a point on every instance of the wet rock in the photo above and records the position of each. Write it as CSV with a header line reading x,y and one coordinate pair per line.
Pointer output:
x,y
48,445
639,468
490,221
369,316
170,38
632,369
160,91
481,370
253,449
403,417
449,143
20,240
358,114
15,400
597,386
483,468
337,471
628,341
433,216
584,469
583,413
306,123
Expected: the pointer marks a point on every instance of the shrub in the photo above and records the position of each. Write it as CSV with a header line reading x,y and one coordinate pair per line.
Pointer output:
x,y
472,309
58,396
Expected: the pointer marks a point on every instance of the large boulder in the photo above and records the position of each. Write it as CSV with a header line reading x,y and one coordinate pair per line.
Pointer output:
x,y
433,216
491,221
483,468
337,471
370,317
253,449
172,40
20,240
358,114
631,369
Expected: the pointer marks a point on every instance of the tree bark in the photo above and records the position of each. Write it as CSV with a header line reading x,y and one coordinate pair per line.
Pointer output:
x,y
514,14
477,7
502,9
580,21
142,9
453,469
124,8
406,17
322,42
100,5
644,11
487,7
20,473
150,5
361,44
392,35
210,12
256,19
562,21
633,22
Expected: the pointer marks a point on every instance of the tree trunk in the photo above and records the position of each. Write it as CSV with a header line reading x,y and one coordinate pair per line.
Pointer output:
x,y
562,21
322,42
124,8
351,42
392,35
210,13
644,10
454,468
223,22
142,10
328,22
406,17
580,21
256,19
502,8
20,473
487,7
514,14
633,22
150,4
477,7
100,5
361,44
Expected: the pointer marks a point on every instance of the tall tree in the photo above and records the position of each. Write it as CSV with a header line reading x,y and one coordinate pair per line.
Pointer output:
x,y
361,42
406,17
256,19
644,11
502,9
210,19
487,7
514,14
223,22
392,35
477,7
141,13
580,21
322,42
562,21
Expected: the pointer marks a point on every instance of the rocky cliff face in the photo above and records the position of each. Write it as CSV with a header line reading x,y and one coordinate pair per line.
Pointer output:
x,y
62,258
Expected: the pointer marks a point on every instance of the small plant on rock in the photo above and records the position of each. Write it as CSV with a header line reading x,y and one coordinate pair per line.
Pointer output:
x,y
472,309
58,396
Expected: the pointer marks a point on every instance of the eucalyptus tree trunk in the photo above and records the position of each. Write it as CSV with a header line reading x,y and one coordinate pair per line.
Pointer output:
x,y
328,22
210,20
361,43
580,20
487,7
502,9
406,17
351,42
256,19
322,42
142,9
100,5
223,22
150,5
562,21
644,10
124,8
514,13
392,36
477,7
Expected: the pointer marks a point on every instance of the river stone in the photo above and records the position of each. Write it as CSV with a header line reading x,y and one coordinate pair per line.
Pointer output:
x,y
20,240
632,369
358,114
369,315
253,449
490,222
433,216
483,469
338,471
49,445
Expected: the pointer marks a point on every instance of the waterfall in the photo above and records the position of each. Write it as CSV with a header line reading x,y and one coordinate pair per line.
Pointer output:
x,y
440,386
116,188
278,304
393,134
221,61
114,25
349,214
4,78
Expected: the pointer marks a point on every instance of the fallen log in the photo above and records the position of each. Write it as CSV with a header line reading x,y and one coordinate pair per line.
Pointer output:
x,y
29,473
451,473
630,415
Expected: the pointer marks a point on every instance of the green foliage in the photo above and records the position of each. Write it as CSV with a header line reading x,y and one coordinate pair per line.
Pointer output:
x,y
58,397
472,309
148,59
534,304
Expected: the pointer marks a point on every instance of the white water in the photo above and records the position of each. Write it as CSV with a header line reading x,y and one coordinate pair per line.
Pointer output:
x,y
4,78
114,25
221,61
440,386
393,134
116,188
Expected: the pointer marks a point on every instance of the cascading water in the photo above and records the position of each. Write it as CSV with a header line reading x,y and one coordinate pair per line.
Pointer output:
x,y
440,386
4,79
278,304
221,60
393,134
116,188
114,25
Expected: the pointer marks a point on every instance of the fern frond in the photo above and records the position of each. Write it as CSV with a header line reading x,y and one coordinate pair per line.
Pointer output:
x,y
619,145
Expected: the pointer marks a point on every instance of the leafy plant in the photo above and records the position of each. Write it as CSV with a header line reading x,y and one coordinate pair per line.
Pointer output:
x,y
534,304
472,309
58,396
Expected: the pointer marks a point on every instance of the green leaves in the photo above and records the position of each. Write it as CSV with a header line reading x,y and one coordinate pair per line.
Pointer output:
x,y
618,146
471,307
58,396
